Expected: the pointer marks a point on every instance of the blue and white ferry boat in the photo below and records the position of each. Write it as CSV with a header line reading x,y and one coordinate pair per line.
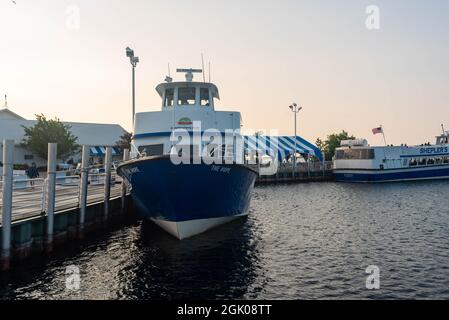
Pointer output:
x,y
186,199
356,161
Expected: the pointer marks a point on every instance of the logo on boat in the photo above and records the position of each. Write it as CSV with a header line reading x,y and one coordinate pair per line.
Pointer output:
x,y
434,150
185,122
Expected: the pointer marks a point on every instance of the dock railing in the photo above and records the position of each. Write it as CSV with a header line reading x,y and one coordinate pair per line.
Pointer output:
x,y
56,191
30,196
30,199
313,171
301,167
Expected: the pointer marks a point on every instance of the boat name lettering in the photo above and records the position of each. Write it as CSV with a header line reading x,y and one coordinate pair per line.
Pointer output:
x,y
220,169
131,170
434,150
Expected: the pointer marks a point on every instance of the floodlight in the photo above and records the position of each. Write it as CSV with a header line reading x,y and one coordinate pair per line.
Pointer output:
x,y
129,52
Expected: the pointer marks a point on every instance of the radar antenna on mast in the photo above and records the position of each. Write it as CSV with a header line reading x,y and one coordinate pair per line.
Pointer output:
x,y
189,73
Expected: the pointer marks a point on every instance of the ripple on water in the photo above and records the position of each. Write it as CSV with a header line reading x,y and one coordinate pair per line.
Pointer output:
x,y
304,241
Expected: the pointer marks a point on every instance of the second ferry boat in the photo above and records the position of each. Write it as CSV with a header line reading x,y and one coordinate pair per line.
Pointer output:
x,y
356,161
187,199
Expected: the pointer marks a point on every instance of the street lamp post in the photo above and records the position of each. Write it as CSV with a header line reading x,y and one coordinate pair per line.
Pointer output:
x,y
134,60
295,109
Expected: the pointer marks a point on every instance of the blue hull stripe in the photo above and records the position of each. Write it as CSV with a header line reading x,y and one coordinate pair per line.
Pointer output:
x,y
424,155
379,176
177,193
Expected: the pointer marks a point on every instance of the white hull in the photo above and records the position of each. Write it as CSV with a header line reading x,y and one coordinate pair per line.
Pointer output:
x,y
186,229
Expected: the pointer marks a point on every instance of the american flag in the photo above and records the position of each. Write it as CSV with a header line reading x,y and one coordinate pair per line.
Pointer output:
x,y
378,130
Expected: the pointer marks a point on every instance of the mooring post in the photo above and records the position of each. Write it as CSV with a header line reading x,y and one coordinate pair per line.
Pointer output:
x,y
8,162
107,180
51,193
83,187
124,188
324,167
308,166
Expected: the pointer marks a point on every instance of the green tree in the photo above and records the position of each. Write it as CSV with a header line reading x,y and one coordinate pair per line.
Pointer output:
x,y
332,142
125,141
46,131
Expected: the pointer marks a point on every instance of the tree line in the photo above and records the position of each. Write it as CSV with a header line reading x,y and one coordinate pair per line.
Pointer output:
x,y
45,131
332,142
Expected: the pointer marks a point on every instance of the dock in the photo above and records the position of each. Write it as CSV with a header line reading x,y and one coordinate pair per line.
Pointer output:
x,y
303,172
39,214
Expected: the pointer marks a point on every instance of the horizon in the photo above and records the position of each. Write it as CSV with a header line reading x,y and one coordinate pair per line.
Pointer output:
x,y
65,58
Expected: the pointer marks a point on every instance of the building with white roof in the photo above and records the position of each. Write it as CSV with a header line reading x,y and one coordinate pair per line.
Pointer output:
x,y
96,135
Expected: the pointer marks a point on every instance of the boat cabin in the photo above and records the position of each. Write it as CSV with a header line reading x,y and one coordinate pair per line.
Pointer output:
x,y
187,105
187,93
443,138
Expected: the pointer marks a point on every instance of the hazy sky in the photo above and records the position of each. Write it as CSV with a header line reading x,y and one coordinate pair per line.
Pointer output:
x,y
264,54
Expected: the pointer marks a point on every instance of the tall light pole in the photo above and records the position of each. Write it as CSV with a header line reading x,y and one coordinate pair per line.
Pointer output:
x,y
134,60
295,109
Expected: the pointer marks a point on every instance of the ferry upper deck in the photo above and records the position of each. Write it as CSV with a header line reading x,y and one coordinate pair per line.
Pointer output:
x,y
358,154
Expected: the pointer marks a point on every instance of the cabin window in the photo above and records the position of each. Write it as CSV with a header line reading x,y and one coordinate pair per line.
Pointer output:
x,y
355,154
442,140
186,96
204,97
446,160
152,150
169,97
367,154
339,154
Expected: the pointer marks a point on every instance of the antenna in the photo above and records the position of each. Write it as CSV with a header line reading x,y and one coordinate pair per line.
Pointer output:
x,y
442,127
6,101
168,78
189,73
202,63
209,71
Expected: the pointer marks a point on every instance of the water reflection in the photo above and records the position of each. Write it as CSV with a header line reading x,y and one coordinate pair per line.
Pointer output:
x,y
304,241
215,264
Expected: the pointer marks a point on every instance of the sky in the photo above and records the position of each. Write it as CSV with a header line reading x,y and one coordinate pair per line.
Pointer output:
x,y
66,59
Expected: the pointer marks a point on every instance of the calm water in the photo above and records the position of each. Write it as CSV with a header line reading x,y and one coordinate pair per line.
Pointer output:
x,y
302,241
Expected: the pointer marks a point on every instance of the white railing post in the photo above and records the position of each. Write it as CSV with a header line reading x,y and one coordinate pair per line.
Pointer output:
x,y
44,195
8,162
124,188
51,192
107,180
83,185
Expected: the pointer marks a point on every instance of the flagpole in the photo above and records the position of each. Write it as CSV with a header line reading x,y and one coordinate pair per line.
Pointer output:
x,y
383,134
385,141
